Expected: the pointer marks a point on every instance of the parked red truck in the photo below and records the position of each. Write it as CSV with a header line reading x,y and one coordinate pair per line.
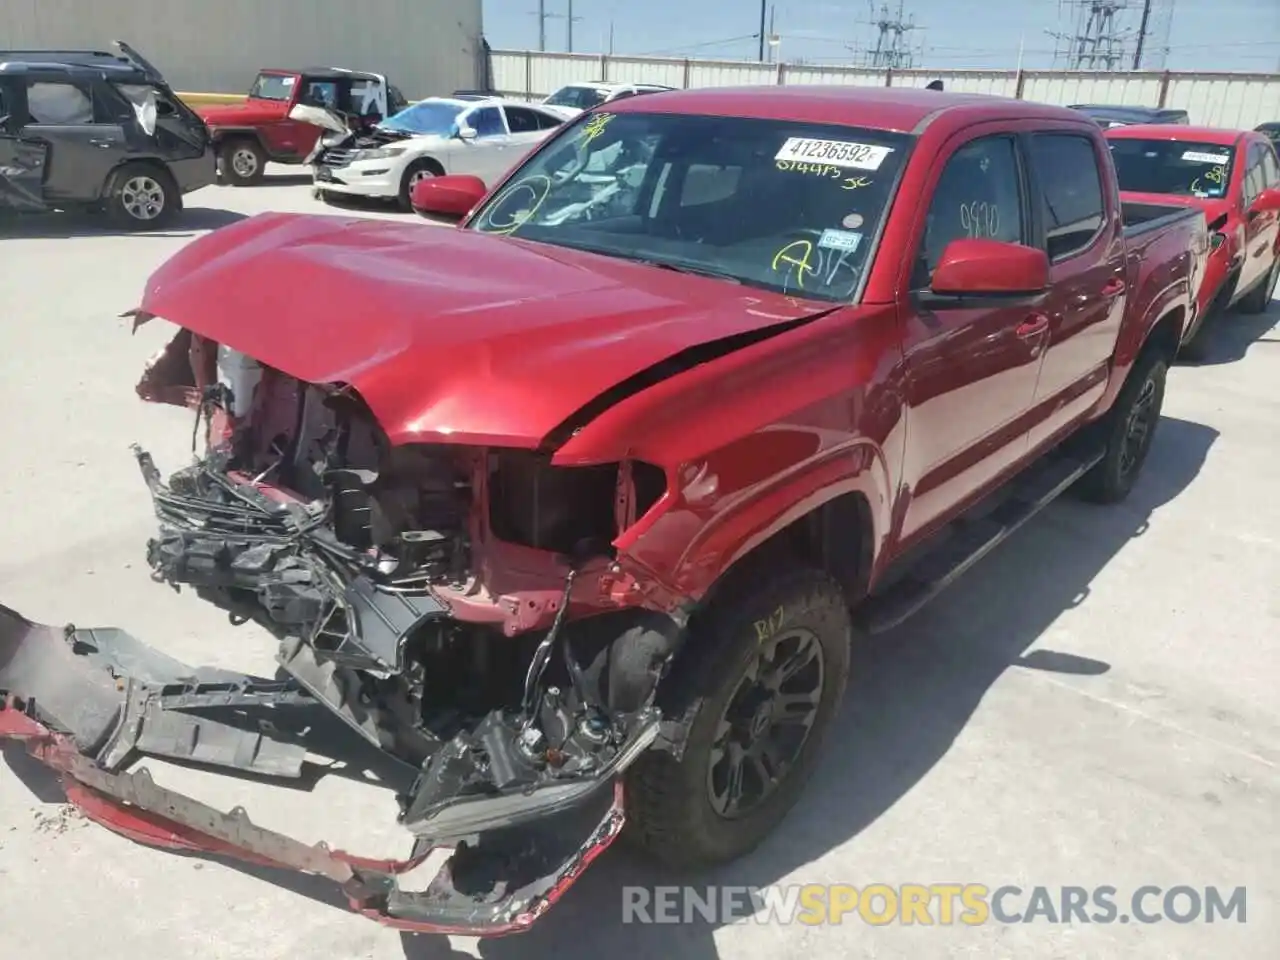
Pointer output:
x,y
1233,177
576,509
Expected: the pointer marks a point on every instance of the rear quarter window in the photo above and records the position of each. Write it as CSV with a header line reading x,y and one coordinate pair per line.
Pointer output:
x,y
1072,205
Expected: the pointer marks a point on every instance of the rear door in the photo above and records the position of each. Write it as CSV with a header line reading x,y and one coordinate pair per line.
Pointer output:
x,y
85,141
1081,231
971,367
1260,229
527,130
22,162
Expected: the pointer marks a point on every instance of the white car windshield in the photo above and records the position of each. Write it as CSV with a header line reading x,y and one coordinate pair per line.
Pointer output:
x,y
778,204
580,98
426,117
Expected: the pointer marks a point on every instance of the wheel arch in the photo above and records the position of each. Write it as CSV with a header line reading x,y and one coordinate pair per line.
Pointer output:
x,y
149,161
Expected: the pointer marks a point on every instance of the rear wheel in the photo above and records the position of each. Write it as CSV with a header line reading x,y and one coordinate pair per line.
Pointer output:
x,y
242,162
757,688
414,174
1259,298
1129,429
141,196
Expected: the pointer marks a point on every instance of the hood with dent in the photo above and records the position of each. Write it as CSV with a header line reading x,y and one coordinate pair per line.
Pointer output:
x,y
448,335
242,114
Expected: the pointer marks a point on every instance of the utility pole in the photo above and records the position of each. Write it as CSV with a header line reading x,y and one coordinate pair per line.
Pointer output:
x,y
542,15
569,21
764,10
1143,27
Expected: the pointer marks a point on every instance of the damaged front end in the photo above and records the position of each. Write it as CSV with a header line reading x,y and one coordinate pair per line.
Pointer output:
x,y
459,608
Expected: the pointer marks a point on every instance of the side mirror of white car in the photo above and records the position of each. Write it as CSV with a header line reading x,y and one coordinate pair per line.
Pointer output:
x,y
466,133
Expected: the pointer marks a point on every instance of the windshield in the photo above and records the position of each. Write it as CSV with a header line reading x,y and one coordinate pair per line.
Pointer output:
x,y
581,98
272,86
1172,167
426,117
777,204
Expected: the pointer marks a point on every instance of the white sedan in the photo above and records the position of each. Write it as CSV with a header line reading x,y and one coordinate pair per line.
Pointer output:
x,y
439,135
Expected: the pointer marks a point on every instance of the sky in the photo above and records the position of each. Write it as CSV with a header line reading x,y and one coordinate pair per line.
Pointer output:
x,y
1208,35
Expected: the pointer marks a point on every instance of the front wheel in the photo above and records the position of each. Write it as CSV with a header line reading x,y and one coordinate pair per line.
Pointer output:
x,y
760,683
242,162
1130,430
414,174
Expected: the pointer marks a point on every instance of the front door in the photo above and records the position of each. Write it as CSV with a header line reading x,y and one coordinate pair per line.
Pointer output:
x,y
22,162
488,155
84,146
1083,237
970,369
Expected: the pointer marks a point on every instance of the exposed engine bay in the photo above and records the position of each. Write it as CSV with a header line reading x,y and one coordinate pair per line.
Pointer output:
x,y
459,608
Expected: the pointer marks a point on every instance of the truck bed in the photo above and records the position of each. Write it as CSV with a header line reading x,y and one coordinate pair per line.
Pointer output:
x,y
1138,218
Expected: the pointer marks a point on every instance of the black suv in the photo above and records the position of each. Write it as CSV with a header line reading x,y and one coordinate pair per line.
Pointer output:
x,y
83,129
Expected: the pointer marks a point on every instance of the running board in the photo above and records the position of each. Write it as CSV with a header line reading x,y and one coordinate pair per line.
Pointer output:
x,y
971,540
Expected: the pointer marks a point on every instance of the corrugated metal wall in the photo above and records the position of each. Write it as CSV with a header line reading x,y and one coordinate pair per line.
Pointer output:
x,y
1214,99
425,47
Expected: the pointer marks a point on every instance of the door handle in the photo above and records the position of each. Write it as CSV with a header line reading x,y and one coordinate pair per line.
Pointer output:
x,y
1035,324
104,144
1113,288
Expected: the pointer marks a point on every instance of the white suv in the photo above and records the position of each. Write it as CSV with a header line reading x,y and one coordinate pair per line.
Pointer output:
x,y
574,98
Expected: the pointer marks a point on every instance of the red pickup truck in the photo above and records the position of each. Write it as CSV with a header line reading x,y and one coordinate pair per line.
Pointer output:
x,y
1233,176
575,510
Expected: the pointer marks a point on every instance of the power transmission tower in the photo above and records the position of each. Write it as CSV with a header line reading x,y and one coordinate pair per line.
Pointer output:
x,y
1099,35
542,15
891,49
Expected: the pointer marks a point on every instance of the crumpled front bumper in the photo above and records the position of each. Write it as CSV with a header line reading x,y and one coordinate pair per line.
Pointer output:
x,y
87,702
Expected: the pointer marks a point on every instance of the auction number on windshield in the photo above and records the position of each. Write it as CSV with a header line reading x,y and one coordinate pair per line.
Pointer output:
x,y
840,153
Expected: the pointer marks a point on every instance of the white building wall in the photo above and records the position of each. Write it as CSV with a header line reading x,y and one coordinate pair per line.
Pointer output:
x,y
424,47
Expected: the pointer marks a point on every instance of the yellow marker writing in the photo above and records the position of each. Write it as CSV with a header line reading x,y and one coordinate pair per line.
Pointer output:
x,y
595,126
855,183
801,264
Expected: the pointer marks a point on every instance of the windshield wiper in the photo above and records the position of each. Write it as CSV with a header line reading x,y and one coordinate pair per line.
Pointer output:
x,y
698,271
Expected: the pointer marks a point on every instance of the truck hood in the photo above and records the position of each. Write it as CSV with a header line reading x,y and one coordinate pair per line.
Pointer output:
x,y
451,335
242,114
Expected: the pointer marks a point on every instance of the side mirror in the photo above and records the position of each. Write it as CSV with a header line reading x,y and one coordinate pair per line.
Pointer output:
x,y
1268,201
990,268
466,133
450,196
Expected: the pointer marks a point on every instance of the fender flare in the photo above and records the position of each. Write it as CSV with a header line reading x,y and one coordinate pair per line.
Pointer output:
x,y
219,135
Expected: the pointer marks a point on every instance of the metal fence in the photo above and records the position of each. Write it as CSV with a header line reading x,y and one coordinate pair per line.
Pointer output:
x,y
1213,99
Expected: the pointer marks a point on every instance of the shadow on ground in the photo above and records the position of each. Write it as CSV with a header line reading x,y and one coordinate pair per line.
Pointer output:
x,y
60,226
1233,334
911,693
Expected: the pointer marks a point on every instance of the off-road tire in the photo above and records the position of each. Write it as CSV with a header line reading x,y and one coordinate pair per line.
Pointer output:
x,y
1259,298
141,196
1110,481
241,162
669,809
412,173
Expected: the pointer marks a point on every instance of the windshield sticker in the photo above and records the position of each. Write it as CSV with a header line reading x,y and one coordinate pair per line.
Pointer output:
x,y
1194,156
840,240
595,126
841,153
287,81
980,220
852,221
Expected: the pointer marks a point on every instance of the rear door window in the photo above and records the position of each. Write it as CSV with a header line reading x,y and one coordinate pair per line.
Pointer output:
x,y
1071,198
58,103
521,120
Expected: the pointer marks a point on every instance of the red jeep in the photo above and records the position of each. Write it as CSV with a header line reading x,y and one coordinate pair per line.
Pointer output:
x,y
1233,176
576,509
267,126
